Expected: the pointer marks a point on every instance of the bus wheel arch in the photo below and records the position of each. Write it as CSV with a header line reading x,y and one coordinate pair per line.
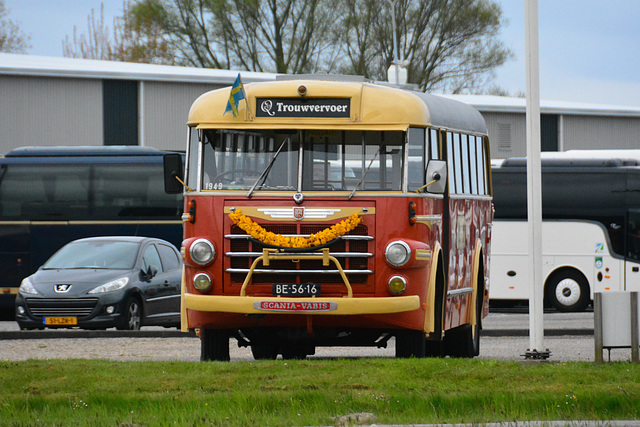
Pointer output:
x,y
434,319
567,289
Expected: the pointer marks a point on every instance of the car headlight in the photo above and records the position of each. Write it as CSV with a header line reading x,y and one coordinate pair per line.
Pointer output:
x,y
202,251
398,253
26,287
113,285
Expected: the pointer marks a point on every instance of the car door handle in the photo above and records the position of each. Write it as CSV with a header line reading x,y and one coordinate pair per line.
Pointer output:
x,y
635,269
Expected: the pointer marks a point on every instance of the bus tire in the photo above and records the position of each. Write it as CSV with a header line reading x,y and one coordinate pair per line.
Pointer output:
x,y
131,316
410,343
568,291
214,345
265,351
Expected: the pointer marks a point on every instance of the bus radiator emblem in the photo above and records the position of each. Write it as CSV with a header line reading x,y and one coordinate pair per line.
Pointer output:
x,y
298,213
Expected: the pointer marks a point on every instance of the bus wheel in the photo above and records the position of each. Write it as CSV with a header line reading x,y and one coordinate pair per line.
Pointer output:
x,y
568,291
410,343
214,345
265,351
297,350
131,317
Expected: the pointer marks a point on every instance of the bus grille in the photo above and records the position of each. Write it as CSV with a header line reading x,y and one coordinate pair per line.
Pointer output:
x,y
352,252
79,307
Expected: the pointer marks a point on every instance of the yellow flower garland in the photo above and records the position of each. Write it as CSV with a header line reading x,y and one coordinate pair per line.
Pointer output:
x,y
324,236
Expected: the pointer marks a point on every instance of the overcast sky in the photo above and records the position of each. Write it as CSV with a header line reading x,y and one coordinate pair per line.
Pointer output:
x,y
589,49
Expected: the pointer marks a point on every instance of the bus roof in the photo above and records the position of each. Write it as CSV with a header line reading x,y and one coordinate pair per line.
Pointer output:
x,y
371,106
84,151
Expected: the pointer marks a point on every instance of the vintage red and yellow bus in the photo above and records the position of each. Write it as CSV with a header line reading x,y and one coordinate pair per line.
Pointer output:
x,y
334,213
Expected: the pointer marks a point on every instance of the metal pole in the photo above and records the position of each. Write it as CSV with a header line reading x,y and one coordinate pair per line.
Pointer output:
x,y
534,180
597,325
634,327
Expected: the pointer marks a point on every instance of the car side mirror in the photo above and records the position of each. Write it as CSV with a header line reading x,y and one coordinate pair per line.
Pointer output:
x,y
436,176
173,173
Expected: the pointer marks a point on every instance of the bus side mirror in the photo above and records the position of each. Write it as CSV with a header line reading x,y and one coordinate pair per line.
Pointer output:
x,y
436,176
172,171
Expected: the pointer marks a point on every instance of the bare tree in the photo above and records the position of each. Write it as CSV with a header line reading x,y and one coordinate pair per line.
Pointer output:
x,y
284,36
12,39
449,45
135,37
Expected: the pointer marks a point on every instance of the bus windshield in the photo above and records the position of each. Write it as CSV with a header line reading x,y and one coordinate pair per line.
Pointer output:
x,y
307,160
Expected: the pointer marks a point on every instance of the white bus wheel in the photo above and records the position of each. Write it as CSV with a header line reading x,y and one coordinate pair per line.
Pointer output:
x,y
568,291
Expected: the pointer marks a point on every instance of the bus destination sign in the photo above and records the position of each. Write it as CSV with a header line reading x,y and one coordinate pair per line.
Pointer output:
x,y
301,107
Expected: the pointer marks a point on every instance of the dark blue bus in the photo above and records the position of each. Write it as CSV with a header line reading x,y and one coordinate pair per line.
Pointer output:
x,y
50,196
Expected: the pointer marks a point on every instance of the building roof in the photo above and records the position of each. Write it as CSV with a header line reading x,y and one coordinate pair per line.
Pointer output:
x,y
49,66
504,104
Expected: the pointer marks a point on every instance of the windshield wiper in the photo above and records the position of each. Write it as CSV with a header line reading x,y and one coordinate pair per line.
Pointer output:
x,y
263,176
364,174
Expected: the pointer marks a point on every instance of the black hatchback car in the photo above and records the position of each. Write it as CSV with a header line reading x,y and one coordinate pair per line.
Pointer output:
x,y
102,282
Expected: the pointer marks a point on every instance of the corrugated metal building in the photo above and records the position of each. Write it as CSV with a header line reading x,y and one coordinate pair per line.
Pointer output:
x,y
63,101
564,125
47,101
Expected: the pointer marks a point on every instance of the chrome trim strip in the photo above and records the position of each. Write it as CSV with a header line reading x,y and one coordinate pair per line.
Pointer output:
x,y
335,254
264,271
458,292
165,297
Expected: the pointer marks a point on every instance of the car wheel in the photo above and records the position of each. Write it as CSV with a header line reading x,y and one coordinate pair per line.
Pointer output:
x,y
132,316
568,291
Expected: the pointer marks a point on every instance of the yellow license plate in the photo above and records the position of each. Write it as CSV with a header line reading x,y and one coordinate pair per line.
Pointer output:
x,y
60,321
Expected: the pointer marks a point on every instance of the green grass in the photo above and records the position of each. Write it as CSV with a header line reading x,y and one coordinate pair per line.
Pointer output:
x,y
94,392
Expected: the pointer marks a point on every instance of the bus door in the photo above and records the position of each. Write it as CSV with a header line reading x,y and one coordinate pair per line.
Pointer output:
x,y
632,258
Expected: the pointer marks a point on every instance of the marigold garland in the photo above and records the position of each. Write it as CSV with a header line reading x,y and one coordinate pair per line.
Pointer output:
x,y
270,238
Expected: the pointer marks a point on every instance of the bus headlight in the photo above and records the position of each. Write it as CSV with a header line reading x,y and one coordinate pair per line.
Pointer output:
x,y
398,253
202,282
202,252
397,285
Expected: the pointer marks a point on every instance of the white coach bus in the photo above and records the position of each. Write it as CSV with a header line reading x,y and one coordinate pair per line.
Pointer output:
x,y
590,231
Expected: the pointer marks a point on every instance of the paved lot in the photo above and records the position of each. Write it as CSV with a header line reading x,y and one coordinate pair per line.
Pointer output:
x,y
568,336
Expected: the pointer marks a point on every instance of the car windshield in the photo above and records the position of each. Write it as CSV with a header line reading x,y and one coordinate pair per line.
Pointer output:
x,y
96,254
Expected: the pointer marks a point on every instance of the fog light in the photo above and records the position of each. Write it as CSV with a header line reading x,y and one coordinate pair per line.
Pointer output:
x,y
202,282
20,309
110,309
398,253
397,285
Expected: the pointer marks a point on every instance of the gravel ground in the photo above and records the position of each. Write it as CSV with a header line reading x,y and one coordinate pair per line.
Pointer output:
x,y
565,348
569,346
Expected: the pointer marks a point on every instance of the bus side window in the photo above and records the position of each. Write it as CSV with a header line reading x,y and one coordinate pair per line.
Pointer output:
x,y
434,145
416,158
473,164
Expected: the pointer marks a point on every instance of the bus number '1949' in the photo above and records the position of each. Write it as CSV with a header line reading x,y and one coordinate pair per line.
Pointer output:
x,y
296,289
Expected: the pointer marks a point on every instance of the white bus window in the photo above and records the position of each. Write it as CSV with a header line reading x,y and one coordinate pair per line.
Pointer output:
x,y
416,158
192,162
473,164
451,163
434,144
482,166
466,180
457,159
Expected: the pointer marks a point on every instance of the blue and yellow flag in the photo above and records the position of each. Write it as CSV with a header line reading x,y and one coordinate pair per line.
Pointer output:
x,y
236,95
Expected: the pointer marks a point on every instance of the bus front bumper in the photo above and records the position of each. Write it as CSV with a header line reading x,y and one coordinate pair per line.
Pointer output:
x,y
300,305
